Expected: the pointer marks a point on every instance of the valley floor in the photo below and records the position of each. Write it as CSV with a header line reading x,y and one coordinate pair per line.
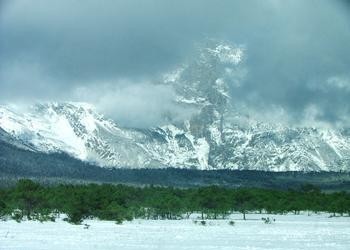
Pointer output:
x,y
287,232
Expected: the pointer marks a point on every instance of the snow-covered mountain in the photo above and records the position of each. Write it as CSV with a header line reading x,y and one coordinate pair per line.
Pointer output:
x,y
211,139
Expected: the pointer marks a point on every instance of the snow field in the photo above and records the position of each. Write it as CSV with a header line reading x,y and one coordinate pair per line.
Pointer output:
x,y
287,232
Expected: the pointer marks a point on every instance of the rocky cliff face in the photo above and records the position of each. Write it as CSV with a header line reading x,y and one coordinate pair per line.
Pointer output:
x,y
210,139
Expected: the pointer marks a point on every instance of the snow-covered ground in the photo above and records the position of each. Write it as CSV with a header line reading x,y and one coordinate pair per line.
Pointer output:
x,y
287,232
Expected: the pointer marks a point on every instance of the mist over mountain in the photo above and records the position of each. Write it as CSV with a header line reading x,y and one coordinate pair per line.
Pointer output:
x,y
296,55
256,85
202,127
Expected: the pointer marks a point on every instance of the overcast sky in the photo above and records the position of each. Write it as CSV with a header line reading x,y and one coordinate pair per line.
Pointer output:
x,y
297,53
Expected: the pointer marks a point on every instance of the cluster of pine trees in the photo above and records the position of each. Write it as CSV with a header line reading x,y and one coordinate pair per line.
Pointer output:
x,y
31,200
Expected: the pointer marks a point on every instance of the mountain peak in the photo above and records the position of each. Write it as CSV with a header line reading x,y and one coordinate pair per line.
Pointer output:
x,y
213,137
207,141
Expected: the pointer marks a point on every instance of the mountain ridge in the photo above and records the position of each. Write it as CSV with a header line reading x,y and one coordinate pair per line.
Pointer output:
x,y
211,138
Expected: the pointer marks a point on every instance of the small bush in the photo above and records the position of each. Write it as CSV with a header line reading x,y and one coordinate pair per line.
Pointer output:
x,y
17,216
119,221
74,218
231,223
44,217
268,220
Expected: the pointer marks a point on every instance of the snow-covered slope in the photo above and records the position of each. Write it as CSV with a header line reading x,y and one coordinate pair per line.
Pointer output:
x,y
211,139
77,129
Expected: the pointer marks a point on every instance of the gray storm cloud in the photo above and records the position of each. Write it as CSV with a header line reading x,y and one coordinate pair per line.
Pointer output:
x,y
297,53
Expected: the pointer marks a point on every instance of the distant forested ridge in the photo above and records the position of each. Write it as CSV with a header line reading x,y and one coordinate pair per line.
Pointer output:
x,y
33,201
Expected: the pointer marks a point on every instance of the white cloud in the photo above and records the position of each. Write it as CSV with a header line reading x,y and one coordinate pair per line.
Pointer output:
x,y
340,82
141,104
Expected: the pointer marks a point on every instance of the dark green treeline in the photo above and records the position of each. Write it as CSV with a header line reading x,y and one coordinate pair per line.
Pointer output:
x,y
120,202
